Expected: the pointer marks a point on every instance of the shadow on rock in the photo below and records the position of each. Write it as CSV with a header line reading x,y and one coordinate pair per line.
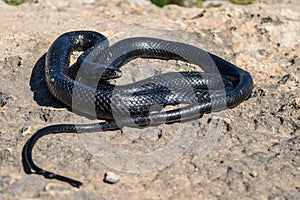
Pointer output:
x,y
39,87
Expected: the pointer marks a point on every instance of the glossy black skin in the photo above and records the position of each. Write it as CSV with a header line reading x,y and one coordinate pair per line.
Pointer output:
x,y
222,85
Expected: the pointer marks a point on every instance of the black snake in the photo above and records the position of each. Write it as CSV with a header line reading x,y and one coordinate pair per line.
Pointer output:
x,y
222,85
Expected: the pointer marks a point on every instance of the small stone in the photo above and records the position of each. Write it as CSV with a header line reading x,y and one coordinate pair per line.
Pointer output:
x,y
111,178
253,174
227,120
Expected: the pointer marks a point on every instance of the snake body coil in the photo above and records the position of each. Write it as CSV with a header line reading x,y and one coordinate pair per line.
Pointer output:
x,y
222,85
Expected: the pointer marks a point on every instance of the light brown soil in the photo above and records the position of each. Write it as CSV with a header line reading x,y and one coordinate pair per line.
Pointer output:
x,y
256,156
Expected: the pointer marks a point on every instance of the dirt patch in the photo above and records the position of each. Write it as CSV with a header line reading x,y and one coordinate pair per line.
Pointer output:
x,y
256,155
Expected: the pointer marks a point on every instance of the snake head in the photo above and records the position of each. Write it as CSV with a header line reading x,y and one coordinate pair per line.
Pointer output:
x,y
109,72
97,71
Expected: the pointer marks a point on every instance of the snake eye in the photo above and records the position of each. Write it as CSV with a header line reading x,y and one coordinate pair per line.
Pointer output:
x,y
111,72
99,71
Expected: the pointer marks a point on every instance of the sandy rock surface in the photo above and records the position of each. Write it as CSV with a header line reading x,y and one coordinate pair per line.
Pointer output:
x,y
254,153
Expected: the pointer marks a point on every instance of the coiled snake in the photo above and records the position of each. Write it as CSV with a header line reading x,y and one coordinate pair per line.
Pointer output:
x,y
222,85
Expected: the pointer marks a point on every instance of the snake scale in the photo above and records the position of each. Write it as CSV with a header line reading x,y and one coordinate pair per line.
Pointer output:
x,y
85,86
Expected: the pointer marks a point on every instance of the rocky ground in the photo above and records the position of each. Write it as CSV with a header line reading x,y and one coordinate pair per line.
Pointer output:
x,y
254,154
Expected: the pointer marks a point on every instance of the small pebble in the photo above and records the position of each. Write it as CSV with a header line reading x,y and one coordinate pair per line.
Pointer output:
x,y
111,178
227,120
253,174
